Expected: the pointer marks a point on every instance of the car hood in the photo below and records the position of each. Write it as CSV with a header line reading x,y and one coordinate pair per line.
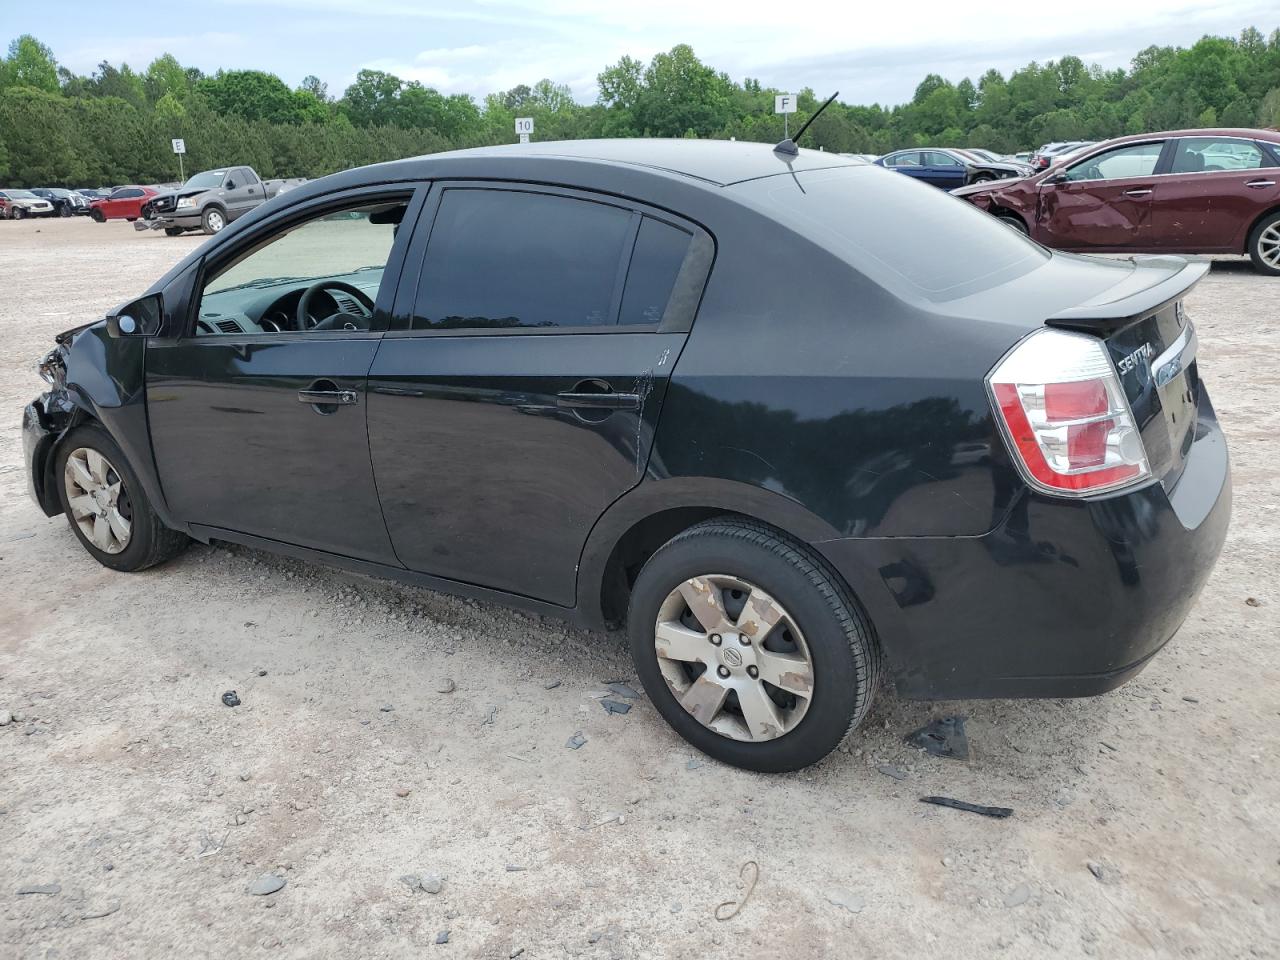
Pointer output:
x,y
1018,168
185,192
29,202
991,185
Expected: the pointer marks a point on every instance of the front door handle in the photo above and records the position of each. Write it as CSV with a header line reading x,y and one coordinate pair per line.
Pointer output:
x,y
1259,184
1138,192
598,401
325,398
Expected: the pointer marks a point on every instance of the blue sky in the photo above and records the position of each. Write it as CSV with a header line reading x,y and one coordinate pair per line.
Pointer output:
x,y
871,53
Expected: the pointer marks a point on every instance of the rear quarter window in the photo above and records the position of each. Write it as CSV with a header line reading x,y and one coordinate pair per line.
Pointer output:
x,y
912,239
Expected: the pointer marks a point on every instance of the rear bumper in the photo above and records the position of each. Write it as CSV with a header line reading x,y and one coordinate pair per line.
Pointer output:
x,y
1062,599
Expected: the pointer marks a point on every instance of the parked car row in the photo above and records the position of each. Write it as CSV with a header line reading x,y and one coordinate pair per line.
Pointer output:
x,y
949,167
1182,191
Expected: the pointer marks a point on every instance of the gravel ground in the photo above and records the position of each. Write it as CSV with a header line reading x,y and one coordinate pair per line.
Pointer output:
x,y
151,808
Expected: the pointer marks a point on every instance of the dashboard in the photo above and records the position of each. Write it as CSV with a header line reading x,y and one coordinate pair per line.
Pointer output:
x,y
271,306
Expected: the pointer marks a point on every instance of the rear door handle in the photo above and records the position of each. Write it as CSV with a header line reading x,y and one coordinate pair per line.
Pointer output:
x,y
1259,184
326,397
598,401
1138,192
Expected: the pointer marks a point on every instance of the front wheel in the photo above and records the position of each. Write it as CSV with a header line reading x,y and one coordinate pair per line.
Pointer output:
x,y
213,220
1015,223
983,178
97,216
64,211
1264,246
106,506
19,213
750,647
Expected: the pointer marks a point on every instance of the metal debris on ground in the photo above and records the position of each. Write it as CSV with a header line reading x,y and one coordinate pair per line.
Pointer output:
x,y
231,699
551,685
889,770
103,911
943,737
623,690
615,706
442,936
998,812
576,741
48,889
731,908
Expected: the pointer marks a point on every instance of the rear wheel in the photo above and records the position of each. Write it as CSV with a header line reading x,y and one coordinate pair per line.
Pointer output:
x,y
749,647
106,506
213,220
1264,245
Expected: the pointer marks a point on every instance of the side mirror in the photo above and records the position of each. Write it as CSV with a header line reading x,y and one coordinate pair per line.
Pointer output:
x,y
1059,177
142,318
230,185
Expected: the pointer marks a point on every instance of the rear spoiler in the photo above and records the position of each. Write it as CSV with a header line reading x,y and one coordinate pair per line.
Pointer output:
x,y
1134,299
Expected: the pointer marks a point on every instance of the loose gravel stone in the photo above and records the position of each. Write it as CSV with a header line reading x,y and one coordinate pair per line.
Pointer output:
x,y
47,889
446,685
265,885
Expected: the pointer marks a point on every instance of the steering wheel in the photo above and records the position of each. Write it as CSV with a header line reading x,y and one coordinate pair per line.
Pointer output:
x,y
335,321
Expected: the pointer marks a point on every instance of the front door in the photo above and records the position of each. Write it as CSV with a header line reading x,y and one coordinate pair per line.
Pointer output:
x,y
521,398
257,412
1102,201
943,170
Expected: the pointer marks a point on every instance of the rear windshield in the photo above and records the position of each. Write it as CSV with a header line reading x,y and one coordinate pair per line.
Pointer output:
x,y
911,238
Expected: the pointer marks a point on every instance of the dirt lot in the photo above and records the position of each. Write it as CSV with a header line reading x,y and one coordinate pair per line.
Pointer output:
x,y
133,789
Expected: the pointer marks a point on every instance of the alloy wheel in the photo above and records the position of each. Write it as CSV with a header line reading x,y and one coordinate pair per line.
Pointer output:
x,y
1269,245
733,658
97,499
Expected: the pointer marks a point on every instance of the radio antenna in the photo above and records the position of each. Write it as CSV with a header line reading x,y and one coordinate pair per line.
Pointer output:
x,y
788,146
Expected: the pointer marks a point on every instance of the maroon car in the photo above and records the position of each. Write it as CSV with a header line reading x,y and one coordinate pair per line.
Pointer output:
x,y
1185,191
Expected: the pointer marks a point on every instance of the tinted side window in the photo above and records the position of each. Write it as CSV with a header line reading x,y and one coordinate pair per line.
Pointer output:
x,y
503,258
933,158
911,159
659,254
1212,154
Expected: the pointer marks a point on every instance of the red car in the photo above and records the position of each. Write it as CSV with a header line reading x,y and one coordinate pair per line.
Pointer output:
x,y
125,203
1184,191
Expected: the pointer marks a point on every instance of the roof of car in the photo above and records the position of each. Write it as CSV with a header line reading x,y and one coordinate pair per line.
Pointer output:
x,y
1245,133
721,162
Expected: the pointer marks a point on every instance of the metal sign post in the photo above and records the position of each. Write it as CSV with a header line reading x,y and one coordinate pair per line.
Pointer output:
x,y
785,104
524,128
180,147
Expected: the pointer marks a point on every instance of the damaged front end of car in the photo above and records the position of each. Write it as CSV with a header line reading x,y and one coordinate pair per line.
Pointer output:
x,y
46,419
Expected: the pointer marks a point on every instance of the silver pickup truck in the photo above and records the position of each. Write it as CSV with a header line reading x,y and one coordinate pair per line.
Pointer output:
x,y
209,201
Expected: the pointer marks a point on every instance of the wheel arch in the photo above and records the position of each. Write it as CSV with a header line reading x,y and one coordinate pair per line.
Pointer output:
x,y
648,516
1248,234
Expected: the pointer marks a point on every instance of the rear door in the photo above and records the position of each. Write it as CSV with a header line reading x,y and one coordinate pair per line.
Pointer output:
x,y
1216,188
1103,201
518,399
238,191
908,162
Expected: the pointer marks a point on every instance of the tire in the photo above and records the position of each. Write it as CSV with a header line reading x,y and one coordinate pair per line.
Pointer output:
x,y
19,213
97,216
1016,223
1264,245
148,540
983,178
822,621
64,210
173,231
213,220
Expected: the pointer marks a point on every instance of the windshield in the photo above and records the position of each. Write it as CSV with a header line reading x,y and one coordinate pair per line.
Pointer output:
x,y
20,195
910,238
206,180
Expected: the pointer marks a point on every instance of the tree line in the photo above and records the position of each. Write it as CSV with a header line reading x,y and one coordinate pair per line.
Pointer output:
x,y
58,128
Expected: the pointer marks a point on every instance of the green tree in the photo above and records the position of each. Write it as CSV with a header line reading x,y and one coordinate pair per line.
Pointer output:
x,y
30,64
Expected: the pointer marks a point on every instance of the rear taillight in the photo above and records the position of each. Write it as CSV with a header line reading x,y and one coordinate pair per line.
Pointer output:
x,y
1065,416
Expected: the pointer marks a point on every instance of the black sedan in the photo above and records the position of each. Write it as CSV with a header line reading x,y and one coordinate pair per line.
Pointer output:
x,y
66,203
710,392
949,169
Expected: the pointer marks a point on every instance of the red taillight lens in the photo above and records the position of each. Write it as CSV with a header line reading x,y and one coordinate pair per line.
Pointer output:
x,y
1065,415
